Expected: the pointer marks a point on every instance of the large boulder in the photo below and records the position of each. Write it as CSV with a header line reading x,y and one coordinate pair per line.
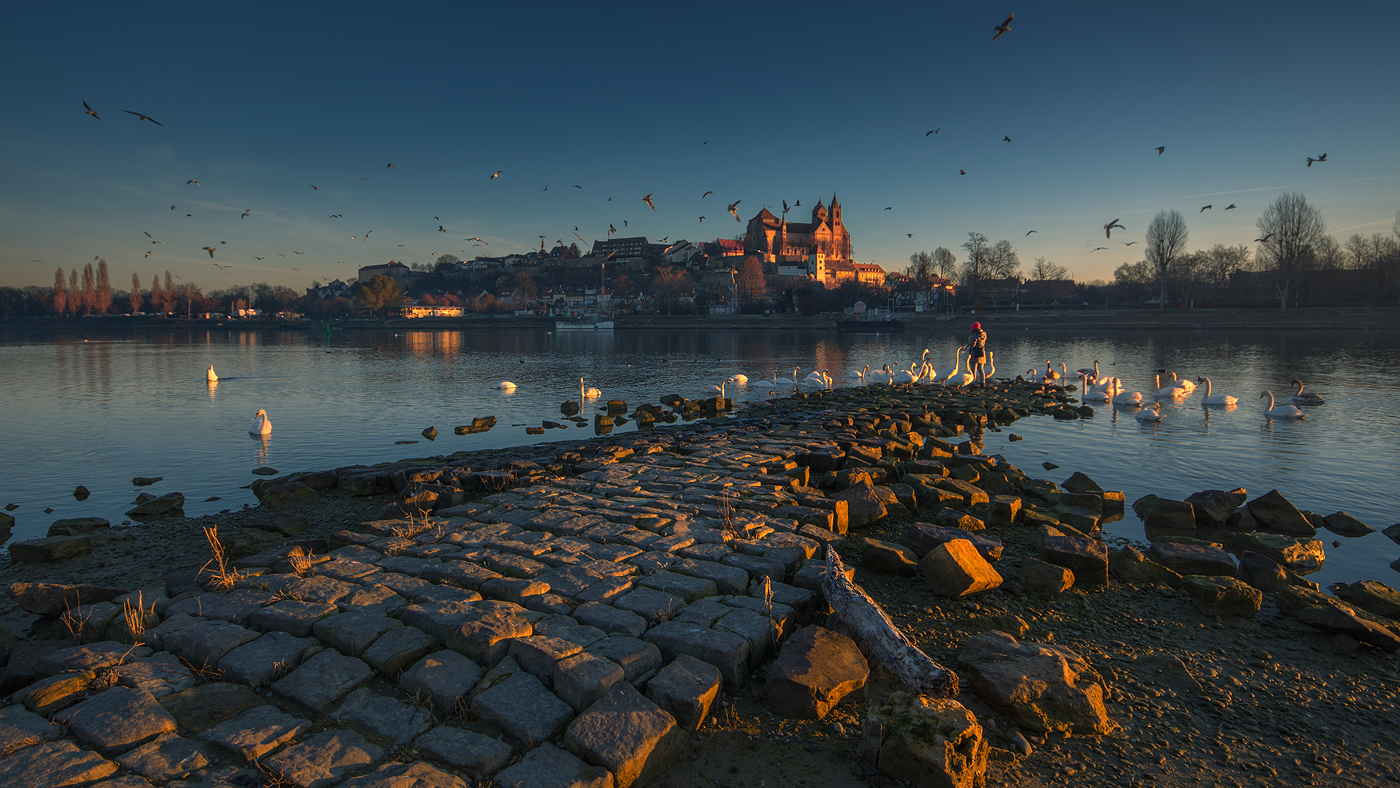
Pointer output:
x,y
815,670
168,505
1223,596
52,599
1214,507
865,504
923,537
1164,513
1268,575
50,548
887,558
1042,687
1130,566
955,568
1193,559
1301,555
1272,512
1086,558
1343,524
928,742
1039,577
1375,598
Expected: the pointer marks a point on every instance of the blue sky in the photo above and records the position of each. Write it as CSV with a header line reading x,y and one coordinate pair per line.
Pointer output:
x,y
262,101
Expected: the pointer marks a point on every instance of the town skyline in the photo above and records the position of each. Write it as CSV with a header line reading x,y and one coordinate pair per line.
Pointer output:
x,y
284,154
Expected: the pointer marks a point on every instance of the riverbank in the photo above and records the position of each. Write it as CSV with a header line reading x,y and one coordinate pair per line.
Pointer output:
x,y
1081,320
1190,691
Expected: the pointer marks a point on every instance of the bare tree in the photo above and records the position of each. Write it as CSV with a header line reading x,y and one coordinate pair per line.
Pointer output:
x,y
135,294
1003,261
1044,269
75,294
60,293
1166,239
945,262
920,267
1295,230
976,266
103,294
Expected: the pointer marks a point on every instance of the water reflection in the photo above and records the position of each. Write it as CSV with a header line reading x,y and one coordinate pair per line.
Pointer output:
x,y
213,386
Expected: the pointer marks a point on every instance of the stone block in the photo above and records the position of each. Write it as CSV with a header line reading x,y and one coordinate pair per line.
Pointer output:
x,y
1164,513
49,695
399,648
582,678
1193,559
521,707
54,763
1223,596
636,657
353,632
1042,687
389,719
406,775
485,635
547,766
481,756
50,549
1343,524
887,558
291,616
538,654
205,705
93,656
1273,512
257,732
686,587
1086,558
925,742
725,650
628,735
20,728
324,759
815,670
955,568
1375,598
612,620
445,678
52,599
652,605
206,642
727,579
1040,577
117,719
1298,554
323,680
923,537
266,659
1130,566
169,757
1214,507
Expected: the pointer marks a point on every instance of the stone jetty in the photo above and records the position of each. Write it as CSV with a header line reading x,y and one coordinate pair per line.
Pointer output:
x,y
572,615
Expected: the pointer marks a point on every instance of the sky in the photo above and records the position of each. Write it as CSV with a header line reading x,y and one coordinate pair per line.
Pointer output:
x,y
756,102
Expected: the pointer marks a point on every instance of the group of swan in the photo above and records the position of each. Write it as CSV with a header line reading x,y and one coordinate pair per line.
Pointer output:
x,y
1110,389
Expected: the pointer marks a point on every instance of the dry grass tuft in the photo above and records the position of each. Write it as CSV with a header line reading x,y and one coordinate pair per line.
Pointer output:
x,y
224,576
301,561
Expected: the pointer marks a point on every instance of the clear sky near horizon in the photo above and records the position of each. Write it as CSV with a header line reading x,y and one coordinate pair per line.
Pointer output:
x,y
260,102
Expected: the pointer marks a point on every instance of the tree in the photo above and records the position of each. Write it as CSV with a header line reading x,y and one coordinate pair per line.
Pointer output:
x,y
1044,269
168,296
378,293
945,262
920,268
750,282
1221,262
103,294
60,293
1003,261
668,286
1294,229
574,250
1166,240
976,266
525,286
135,294
75,293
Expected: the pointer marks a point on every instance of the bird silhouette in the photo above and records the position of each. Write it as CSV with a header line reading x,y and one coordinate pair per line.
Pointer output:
x,y
1006,139
210,250
1228,207
706,194
1205,208
624,222
1098,248
390,167
1004,27
1028,232
663,240
911,235
1108,228
1161,149
173,207
90,110
935,131
647,200
475,239
195,182
335,216
786,208
496,175
1265,239
1323,157
221,267
245,213
611,229
440,229
143,117
367,232
889,208
797,204
296,252
317,188
576,186
148,235
734,209
257,258
365,178
962,172
148,254
1127,243
702,220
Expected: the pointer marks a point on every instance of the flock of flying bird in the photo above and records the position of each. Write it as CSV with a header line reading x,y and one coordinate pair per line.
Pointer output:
x,y
477,241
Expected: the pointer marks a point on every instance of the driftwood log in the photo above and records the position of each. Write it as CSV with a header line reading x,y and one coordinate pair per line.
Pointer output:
x,y
919,674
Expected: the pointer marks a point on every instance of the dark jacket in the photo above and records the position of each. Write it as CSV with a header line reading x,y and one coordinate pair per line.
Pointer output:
x,y
977,344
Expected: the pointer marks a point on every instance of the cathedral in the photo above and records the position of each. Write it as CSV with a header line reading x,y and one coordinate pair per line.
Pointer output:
x,y
782,241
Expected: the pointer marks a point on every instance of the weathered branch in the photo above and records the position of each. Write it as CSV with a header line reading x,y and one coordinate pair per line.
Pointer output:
x,y
890,647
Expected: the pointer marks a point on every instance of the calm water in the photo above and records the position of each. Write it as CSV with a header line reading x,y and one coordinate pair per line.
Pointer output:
x,y
100,410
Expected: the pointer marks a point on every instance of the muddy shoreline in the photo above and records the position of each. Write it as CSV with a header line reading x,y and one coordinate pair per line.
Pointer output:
x,y
1194,699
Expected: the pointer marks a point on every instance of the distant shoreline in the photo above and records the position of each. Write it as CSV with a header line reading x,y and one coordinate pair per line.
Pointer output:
x,y
1309,319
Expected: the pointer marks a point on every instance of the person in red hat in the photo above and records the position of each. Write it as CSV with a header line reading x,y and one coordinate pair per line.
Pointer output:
x,y
977,353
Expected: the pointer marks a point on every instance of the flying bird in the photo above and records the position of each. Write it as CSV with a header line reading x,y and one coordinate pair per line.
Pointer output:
x,y
786,208
663,240
475,239
440,229
1323,157
390,167
210,250
245,213
90,110
1127,243
1205,208
935,131
911,235
221,267
148,254
365,178
1028,232
1228,207
495,175
157,242
367,232
1108,228
143,117
962,172
317,188
256,257
1161,149
576,186
1006,139
173,207
624,222
889,208
706,194
335,216
702,220
797,204
1265,239
148,235
611,229
1004,27
1098,248
296,252
195,182
734,209
647,200
580,237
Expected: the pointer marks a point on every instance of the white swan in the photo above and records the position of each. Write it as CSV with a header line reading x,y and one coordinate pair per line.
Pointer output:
x,y
1091,374
944,377
989,369
1217,399
1280,411
585,393
720,388
881,375
1166,392
904,376
1127,399
1152,412
1298,396
1032,375
506,385
1183,384
859,375
1092,394
213,377
261,424
962,378
741,380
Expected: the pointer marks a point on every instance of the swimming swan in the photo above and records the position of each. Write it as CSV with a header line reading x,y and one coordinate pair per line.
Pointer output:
x,y
1167,392
261,424
1217,399
1280,411
1299,397
585,393
506,385
1151,413
212,377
